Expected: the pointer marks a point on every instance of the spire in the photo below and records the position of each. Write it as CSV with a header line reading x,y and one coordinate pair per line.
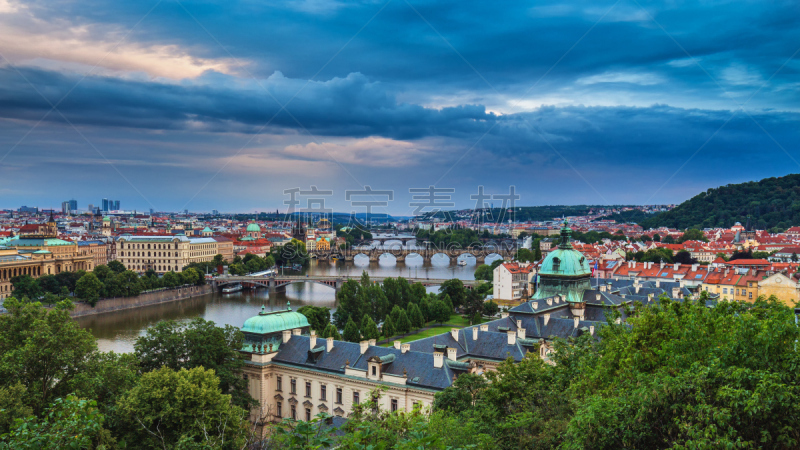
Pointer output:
x,y
288,305
566,236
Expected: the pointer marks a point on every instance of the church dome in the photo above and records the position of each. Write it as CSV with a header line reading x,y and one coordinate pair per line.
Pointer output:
x,y
253,227
565,261
267,322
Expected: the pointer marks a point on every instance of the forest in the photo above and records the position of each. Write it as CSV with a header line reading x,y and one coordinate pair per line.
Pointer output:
x,y
772,203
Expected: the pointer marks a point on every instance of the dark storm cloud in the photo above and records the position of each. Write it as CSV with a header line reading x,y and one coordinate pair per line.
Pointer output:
x,y
350,106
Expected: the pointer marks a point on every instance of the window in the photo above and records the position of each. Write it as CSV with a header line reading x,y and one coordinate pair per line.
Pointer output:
x,y
280,410
394,405
280,383
339,395
751,295
374,371
724,290
355,398
308,389
323,394
556,264
294,412
294,387
308,415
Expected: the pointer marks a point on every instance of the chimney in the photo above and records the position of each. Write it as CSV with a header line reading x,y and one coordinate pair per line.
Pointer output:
x,y
287,334
364,346
658,283
676,292
484,327
512,337
663,264
451,354
312,340
454,333
438,359
397,344
676,266
521,333
329,344
296,331
404,348
681,282
519,323
597,297
372,342
504,314
636,287
576,320
549,302
695,267
591,330
474,333
546,318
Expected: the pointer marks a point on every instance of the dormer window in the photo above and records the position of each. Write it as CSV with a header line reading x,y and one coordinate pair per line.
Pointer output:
x,y
556,264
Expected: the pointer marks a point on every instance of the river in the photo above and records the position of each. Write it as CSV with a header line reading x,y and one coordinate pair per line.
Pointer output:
x,y
118,330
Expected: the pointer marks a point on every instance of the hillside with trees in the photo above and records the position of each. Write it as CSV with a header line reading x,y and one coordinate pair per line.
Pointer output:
x,y
772,203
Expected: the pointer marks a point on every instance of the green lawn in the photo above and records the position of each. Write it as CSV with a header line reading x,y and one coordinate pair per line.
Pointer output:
x,y
456,321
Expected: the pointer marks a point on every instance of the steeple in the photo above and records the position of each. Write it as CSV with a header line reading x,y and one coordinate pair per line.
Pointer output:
x,y
566,236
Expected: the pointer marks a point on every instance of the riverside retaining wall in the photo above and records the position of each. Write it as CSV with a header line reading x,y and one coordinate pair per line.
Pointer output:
x,y
150,298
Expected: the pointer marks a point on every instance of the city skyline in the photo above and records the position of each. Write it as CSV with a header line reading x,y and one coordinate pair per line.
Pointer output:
x,y
173,106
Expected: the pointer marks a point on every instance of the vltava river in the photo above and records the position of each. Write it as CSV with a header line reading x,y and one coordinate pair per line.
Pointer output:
x,y
118,331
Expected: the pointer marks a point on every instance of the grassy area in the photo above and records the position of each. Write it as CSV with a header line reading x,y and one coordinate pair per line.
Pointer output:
x,y
456,321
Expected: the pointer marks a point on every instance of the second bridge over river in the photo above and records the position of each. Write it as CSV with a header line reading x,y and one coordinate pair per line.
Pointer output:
x,y
276,282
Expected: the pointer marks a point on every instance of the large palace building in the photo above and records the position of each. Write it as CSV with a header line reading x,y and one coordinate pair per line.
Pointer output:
x,y
37,251
292,373
166,253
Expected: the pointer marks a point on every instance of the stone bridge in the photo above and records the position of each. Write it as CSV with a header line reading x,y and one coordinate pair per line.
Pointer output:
x,y
400,253
277,282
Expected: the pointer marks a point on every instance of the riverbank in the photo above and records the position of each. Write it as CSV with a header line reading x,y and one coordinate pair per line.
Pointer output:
x,y
150,298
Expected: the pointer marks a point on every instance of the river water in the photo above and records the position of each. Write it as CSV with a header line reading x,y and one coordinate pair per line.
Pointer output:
x,y
118,330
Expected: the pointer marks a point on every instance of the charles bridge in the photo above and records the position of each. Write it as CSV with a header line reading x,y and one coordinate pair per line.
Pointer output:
x,y
278,282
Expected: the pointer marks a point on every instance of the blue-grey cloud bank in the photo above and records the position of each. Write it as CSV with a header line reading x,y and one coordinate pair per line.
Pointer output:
x,y
200,105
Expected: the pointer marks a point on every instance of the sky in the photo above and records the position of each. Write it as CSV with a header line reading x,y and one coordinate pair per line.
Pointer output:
x,y
198,105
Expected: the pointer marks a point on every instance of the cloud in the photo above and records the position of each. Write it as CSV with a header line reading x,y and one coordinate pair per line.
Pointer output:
x,y
371,151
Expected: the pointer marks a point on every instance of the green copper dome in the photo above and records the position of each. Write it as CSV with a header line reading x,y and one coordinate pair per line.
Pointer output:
x,y
565,261
253,227
267,322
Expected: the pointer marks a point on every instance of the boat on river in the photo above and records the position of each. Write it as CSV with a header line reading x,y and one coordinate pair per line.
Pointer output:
x,y
232,288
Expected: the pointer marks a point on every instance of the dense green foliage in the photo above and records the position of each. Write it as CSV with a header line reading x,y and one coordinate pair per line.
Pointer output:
x,y
319,317
58,391
630,216
771,202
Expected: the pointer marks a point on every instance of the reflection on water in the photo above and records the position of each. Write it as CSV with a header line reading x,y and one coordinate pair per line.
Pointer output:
x,y
118,331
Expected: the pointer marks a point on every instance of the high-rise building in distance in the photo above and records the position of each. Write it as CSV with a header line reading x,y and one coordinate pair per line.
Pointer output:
x,y
115,205
105,205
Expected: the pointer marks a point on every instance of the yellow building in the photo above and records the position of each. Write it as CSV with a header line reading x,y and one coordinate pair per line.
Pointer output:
x,y
781,285
164,253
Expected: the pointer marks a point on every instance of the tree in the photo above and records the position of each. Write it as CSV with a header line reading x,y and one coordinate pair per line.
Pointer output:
x,y
171,279
49,283
473,304
525,255
684,257
102,272
191,276
199,344
455,290
218,260
395,314
484,272
441,312
43,350
475,319
462,395
368,329
351,333
656,237
129,284
89,288
26,286
116,266
388,328
331,331
170,407
319,317
415,316
70,423
11,406
668,240
350,305
692,234
403,325
490,308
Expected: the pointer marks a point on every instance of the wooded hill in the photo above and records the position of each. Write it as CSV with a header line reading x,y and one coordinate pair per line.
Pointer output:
x,y
771,203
